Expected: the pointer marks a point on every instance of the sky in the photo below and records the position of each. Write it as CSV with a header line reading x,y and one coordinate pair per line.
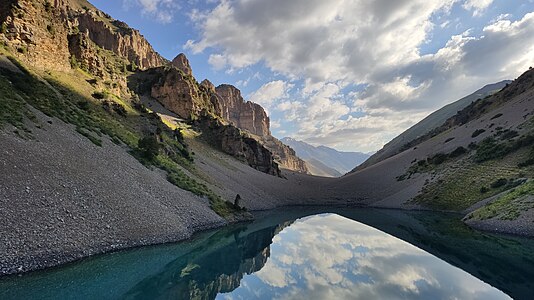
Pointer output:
x,y
348,74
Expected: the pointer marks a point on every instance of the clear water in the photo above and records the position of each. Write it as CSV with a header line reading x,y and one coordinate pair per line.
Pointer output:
x,y
304,254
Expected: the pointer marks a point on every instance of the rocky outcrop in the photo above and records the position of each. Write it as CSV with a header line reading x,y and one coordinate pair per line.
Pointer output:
x,y
39,32
284,155
116,36
181,94
215,99
245,115
36,33
233,141
182,63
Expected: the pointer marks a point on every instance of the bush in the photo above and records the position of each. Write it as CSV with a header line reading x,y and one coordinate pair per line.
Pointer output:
x,y
458,152
3,27
99,95
496,116
489,149
119,109
83,105
149,147
484,190
478,132
74,62
508,134
438,159
499,183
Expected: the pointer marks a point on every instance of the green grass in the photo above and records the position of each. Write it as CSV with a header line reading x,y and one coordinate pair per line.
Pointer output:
x,y
509,206
177,177
464,183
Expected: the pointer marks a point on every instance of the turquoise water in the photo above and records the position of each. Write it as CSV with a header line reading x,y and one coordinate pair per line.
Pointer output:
x,y
304,254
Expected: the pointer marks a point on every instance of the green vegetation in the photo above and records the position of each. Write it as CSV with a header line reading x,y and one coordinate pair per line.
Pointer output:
x,y
149,147
496,116
3,27
478,132
509,206
490,149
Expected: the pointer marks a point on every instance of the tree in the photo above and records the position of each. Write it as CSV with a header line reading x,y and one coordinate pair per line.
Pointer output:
x,y
149,147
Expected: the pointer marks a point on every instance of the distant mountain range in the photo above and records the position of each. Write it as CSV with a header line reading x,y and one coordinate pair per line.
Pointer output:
x,y
325,161
429,123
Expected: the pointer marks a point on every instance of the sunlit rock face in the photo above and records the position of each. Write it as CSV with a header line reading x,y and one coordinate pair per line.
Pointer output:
x,y
331,257
182,63
245,115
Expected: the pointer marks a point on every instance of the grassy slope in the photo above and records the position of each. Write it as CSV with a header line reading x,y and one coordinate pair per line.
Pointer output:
x,y
67,96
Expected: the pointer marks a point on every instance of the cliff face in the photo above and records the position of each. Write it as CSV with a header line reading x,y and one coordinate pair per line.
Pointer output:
x,y
182,63
39,32
246,115
233,141
181,94
285,155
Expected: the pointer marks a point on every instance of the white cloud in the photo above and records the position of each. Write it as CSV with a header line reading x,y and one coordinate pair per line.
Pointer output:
x,y
478,6
268,93
333,45
160,10
217,61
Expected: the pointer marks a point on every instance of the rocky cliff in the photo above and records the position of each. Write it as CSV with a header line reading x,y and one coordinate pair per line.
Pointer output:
x,y
39,31
182,63
285,155
180,93
243,114
233,141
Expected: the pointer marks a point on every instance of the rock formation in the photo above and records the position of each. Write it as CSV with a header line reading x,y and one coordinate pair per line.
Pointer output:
x,y
182,63
245,115
181,94
39,31
285,155
233,141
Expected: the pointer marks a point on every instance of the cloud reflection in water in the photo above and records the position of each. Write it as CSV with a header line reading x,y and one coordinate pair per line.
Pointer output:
x,y
331,257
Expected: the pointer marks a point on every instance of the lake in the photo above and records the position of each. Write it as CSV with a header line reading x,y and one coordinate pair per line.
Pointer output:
x,y
304,253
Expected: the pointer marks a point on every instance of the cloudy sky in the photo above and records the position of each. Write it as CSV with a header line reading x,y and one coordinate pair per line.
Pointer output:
x,y
349,74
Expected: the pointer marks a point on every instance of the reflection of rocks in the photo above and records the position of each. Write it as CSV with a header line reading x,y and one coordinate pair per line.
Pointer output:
x,y
211,268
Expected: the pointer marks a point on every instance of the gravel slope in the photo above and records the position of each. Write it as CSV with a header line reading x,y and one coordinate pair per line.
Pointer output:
x,y
63,198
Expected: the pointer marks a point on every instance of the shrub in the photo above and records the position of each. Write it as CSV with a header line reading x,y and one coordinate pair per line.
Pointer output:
x,y
478,132
83,105
149,147
132,67
490,149
438,159
499,183
51,29
484,190
99,95
119,109
458,152
509,134
74,62
496,116
3,27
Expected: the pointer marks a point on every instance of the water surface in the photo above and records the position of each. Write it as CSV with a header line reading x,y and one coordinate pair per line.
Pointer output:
x,y
304,254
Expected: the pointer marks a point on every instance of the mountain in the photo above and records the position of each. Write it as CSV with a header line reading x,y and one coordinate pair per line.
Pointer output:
x,y
478,162
429,123
320,157
107,145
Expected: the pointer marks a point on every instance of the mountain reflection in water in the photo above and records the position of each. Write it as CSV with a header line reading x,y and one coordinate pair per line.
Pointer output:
x,y
324,256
